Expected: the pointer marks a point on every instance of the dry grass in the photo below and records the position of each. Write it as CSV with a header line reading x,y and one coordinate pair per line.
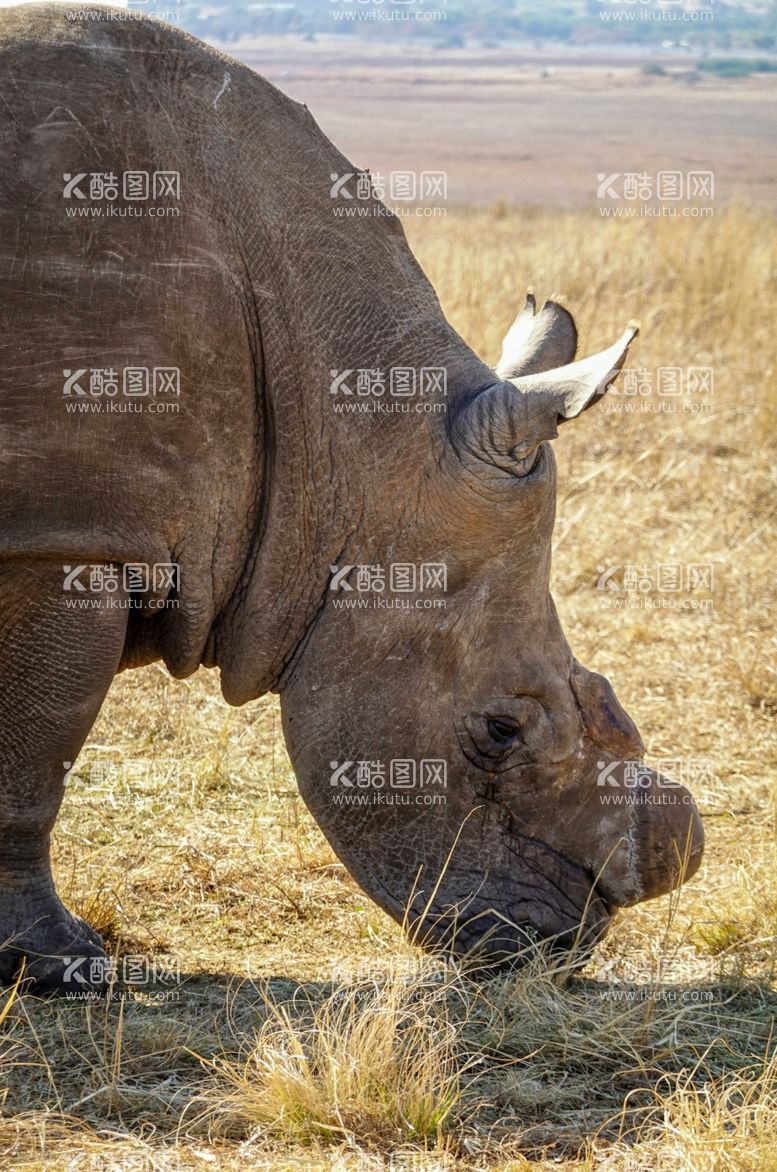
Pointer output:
x,y
379,1060
305,1033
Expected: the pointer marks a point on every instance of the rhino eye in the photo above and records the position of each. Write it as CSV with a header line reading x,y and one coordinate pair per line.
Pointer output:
x,y
501,728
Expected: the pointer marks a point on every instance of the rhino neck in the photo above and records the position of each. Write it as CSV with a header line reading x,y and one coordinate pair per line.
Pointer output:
x,y
323,293
332,485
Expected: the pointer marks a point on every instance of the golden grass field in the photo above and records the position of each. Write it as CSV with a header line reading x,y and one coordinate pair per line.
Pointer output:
x,y
306,1033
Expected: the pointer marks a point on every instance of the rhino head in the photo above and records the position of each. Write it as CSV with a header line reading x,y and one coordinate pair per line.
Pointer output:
x,y
514,816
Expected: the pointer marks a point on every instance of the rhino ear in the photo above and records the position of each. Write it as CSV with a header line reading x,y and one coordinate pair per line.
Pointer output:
x,y
538,341
505,423
579,385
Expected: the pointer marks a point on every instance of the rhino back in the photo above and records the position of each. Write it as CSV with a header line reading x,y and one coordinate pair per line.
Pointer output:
x,y
105,476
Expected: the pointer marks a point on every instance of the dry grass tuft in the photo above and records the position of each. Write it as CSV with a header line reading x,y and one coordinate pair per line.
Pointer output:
x,y
728,1125
374,1063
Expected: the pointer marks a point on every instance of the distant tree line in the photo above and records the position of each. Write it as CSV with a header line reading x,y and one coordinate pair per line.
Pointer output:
x,y
729,26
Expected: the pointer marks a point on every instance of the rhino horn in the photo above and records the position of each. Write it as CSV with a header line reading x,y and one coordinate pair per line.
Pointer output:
x,y
538,341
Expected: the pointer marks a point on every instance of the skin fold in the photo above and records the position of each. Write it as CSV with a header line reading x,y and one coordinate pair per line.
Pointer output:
x,y
259,492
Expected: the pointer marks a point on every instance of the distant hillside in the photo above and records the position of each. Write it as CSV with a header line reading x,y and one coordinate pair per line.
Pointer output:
x,y
702,24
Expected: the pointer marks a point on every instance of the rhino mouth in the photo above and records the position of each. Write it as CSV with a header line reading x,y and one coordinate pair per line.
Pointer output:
x,y
542,902
490,940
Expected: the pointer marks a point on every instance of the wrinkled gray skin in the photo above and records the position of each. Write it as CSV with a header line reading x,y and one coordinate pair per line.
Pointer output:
x,y
257,487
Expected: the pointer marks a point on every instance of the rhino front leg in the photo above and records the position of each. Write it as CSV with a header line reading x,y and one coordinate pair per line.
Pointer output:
x,y
56,665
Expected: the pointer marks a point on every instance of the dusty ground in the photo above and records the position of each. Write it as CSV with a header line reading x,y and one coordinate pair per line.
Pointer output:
x,y
182,838
525,126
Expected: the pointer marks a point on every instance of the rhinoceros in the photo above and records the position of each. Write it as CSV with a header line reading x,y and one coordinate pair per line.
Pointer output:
x,y
188,311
